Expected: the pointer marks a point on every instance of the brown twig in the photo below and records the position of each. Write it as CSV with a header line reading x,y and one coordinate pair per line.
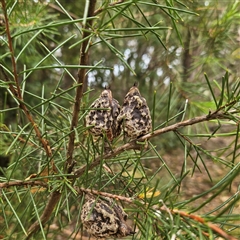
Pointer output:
x,y
184,137
49,209
133,144
164,208
23,183
55,196
16,91
104,194
199,219
79,90
10,45
54,199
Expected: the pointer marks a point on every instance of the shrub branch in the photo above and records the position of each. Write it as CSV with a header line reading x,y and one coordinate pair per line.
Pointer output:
x,y
55,196
218,114
164,208
16,90
81,79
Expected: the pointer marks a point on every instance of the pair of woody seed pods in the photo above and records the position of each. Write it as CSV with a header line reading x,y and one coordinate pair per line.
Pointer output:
x,y
107,117
104,218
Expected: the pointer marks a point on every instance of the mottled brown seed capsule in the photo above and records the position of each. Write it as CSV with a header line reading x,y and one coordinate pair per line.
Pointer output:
x,y
135,115
103,116
104,218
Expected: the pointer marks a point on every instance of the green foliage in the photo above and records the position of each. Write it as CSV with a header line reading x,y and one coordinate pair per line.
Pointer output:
x,y
185,59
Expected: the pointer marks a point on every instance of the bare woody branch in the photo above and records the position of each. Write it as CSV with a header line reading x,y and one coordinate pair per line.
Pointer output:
x,y
104,194
199,219
55,196
79,90
16,90
18,183
54,199
164,208
218,114
128,200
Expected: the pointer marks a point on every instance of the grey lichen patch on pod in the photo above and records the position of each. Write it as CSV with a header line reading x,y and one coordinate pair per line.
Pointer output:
x,y
103,218
102,116
135,116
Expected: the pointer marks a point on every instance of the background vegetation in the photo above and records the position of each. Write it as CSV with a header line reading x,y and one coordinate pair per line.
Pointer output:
x,y
55,59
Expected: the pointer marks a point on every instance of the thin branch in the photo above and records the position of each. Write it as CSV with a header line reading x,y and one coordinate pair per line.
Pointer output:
x,y
164,208
16,91
133,144
104,194
184,137
79,90
199,219
10,45
54,199
56,195
22,183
